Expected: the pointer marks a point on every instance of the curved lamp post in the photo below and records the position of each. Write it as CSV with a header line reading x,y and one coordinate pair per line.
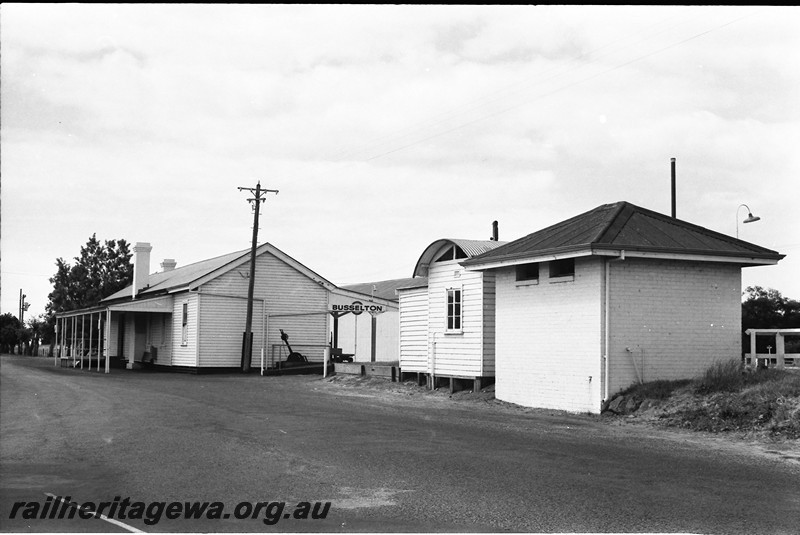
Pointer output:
x,y
750,218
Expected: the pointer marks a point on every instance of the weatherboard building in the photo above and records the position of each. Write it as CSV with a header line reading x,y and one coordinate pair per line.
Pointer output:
x,y
192,318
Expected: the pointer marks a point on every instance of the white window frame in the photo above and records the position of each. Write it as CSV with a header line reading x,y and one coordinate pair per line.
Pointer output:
x,y
450,326
185,324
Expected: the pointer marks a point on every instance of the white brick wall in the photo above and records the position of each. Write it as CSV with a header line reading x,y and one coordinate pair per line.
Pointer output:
x,y
549,339
676,317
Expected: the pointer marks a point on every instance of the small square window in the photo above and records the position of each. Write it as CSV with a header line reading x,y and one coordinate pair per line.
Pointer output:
x,y
562,268
528,272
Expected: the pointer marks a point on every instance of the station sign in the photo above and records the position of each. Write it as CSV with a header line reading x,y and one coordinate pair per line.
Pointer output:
x,y
356,308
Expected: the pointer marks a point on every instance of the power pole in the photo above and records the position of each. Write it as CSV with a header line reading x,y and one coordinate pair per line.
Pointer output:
x,y
259,196
23,306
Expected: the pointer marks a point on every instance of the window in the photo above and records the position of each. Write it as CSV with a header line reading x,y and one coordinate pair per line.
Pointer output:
x,y
454,309
562,268
528,272
453,252
185,325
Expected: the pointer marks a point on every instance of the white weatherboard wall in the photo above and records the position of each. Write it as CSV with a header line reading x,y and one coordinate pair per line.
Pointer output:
x,y
456,354
184,354
549,339
113,336
221,331
294,303
355,335
414,330
489,323
161,337
677,318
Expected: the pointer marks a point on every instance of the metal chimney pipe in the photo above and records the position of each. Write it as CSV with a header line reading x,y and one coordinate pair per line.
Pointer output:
x,y
495,231
672,161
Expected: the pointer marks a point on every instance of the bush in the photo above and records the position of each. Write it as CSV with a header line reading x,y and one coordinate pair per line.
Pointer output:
x,y
722,376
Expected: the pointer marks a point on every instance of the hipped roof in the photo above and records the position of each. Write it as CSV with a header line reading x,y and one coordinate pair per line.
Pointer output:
x,y
622,226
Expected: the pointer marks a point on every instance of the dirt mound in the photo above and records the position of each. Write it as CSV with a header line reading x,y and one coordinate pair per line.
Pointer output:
x,y
766,405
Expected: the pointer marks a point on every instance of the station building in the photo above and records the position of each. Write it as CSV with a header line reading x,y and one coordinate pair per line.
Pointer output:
x,y
192,318
447,316
611,297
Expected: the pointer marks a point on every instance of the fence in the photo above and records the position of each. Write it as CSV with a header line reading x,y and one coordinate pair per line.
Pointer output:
x,y
780,359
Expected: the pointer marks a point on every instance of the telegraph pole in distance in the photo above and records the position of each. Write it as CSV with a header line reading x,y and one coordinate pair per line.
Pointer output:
x,y
259,196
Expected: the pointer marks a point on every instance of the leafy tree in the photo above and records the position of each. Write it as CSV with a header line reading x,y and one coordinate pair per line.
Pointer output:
x,y
37,327
10,328
100,270
768,309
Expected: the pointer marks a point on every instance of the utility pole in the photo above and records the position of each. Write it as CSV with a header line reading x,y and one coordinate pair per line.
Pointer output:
x,y
259,196
23,306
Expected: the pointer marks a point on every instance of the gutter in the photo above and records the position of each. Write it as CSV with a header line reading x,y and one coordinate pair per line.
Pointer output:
x,y
607,323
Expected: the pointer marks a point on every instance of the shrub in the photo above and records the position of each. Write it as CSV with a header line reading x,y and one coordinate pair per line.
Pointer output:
x,y
722,376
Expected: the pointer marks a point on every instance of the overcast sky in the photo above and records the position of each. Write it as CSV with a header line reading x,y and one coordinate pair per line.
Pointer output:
x,y
385,128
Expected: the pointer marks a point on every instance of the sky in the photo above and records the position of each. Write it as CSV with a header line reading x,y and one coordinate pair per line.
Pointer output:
x,y
386,128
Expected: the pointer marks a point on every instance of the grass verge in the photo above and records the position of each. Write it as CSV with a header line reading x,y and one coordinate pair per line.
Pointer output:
x,y
724,398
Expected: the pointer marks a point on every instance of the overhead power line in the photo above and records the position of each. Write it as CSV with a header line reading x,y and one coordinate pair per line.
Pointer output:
x,y
483,102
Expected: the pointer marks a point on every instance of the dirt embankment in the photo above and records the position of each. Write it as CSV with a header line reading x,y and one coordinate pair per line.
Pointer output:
x,y
725,401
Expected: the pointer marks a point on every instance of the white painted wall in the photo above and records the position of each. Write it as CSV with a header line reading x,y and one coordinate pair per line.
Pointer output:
x,y
294,303
355,335
222,324
677,318
184,354
413,320
548,339
456,354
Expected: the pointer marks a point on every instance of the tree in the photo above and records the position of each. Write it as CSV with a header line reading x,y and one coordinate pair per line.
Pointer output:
x,y
10,328
37,326
768,309
100,270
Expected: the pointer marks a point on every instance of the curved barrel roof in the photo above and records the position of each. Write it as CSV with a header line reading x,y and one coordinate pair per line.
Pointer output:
x,y
471,248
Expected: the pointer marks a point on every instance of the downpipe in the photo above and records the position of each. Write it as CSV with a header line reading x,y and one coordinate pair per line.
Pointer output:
x,y
607,324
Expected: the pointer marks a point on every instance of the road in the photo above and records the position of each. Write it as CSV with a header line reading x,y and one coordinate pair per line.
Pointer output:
x,y
387,462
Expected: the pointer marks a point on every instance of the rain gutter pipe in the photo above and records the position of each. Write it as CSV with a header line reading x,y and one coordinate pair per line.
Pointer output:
x,y
606,327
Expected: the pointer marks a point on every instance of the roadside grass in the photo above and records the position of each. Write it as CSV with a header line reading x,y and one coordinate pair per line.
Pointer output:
x,y
726,397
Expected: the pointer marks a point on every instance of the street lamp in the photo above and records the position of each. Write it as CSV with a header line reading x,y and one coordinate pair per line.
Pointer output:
x,y
750,218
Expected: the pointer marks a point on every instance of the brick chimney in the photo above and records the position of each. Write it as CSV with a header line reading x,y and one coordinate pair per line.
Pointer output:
x,y
141,266
168,264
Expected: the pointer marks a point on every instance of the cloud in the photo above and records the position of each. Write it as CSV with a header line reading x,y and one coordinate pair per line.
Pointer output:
x,y
385,127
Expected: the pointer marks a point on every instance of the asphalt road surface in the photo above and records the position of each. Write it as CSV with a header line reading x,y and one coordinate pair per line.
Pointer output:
x,y
386,462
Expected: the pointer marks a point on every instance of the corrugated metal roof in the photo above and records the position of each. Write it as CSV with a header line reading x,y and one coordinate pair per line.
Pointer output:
x,y
181,276
625,226
383,289
470,247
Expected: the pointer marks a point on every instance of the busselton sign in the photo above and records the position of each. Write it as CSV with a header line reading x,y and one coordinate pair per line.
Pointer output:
x,y
357,307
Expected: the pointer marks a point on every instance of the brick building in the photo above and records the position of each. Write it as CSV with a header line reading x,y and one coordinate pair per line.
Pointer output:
x,y
611,297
